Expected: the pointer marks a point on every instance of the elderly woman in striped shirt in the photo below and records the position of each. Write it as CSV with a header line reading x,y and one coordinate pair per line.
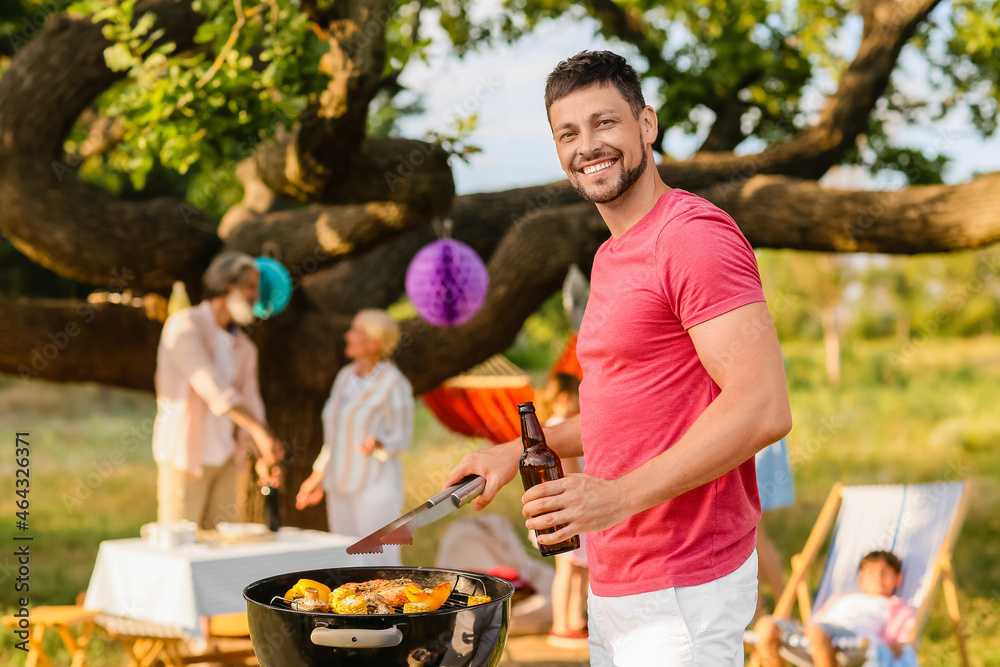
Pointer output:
x,y
367,424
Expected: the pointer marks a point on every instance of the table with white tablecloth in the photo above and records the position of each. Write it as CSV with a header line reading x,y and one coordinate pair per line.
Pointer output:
x,y
177,587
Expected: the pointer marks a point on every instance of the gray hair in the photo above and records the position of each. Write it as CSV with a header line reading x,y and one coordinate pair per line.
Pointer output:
x,y
225,270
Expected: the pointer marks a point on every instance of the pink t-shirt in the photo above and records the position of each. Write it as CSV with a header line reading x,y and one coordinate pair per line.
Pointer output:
x,y
643,387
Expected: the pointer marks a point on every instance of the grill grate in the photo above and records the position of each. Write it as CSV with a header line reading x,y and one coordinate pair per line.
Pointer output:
x,y
454,601
457,600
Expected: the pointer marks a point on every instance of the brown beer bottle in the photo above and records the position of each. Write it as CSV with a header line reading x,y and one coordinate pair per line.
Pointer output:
x,y
540,464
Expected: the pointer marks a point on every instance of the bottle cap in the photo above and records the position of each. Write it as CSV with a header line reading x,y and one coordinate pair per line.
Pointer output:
x,y
525,408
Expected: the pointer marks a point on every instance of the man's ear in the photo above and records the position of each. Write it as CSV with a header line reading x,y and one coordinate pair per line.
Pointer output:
x,y
649,123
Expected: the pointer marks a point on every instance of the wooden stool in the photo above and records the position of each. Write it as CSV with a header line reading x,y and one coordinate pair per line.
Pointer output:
x,y
229,625
60,618
148,643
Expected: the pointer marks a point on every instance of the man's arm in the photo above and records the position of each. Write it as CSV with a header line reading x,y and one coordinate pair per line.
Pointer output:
x,y
740,351
268,447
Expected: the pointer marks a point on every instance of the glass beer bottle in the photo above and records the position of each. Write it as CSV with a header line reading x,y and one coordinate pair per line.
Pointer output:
x,y
540,464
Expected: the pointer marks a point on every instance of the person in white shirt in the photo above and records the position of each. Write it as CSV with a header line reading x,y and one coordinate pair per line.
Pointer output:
x,y
367,424
210,417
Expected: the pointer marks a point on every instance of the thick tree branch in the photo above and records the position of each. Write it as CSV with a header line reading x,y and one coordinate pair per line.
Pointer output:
x,y
375,279
776,212
398,184
77,341
814,150
319,231
48,214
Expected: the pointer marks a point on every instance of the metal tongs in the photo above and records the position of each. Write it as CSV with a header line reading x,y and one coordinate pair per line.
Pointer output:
x,y
401,530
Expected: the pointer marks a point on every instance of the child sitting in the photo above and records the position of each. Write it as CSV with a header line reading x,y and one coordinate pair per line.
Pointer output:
x,y
886,621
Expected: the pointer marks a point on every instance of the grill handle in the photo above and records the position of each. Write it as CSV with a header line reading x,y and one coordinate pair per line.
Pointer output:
x,y
357,638
467,488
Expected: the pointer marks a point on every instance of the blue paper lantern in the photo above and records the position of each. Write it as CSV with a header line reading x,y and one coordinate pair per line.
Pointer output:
x,y
275,288
447,283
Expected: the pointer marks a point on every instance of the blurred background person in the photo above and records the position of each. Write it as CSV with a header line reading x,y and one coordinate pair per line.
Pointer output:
x,y
206,387
367,424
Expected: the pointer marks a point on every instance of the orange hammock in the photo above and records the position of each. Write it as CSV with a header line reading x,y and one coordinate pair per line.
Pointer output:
x,y
482,403
567,362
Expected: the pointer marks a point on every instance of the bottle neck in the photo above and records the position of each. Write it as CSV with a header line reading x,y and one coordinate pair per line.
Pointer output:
x,y
531,431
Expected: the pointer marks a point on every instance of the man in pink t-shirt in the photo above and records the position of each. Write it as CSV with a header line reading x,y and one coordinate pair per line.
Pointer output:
x,y
683,383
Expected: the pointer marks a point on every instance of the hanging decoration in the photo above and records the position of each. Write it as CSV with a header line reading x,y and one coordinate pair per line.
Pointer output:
x,y
447,282
275,288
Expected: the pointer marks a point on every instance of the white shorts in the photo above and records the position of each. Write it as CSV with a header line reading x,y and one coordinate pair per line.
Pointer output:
x,y
689,626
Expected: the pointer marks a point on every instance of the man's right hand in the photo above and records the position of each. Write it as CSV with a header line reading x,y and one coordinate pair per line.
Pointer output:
x,y
271,449
498,464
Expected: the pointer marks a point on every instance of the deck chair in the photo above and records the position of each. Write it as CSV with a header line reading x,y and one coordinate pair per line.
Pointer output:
x,y
918,522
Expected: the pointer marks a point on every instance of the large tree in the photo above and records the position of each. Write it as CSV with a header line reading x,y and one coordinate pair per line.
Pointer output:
x,y
125,129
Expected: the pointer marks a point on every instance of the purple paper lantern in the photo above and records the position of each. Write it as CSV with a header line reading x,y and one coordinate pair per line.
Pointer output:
x,y
447,283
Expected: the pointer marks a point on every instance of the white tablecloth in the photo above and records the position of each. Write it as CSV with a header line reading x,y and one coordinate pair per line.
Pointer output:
x,y
176,587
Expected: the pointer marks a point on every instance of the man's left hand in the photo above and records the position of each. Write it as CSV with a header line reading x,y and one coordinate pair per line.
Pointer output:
x,y
578,503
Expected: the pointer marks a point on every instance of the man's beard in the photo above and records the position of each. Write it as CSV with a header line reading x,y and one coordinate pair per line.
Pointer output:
x,y
626,179
239,309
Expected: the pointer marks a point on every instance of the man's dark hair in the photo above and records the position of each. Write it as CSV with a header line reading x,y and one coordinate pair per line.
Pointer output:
x,y
589,68
887,557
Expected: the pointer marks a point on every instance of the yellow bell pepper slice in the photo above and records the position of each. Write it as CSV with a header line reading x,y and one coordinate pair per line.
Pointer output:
x,y
434,596
299,589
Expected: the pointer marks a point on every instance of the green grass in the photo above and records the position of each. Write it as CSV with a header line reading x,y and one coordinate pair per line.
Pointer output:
x,y
932,416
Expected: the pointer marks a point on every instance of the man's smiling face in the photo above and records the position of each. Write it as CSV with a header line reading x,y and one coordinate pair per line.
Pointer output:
x,y
602,147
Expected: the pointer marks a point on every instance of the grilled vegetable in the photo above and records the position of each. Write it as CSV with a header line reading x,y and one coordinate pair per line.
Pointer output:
x,y
353,604
338,594
434,596
311,602
299,589
416,607
478,599
377,604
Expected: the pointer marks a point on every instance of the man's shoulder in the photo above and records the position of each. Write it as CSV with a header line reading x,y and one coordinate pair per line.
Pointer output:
x,y
688,214
180,322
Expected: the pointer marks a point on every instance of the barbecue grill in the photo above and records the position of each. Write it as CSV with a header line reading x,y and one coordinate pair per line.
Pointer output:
x,y
455,635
